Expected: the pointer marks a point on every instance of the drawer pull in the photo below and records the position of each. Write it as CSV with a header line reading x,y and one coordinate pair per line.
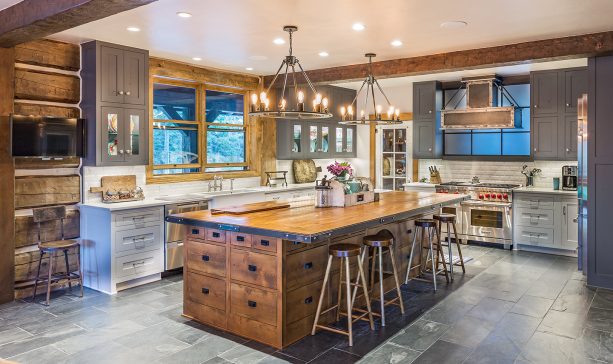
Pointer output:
x,y
205,291
240,238
252,268
216,234
308,265
308,300
205,258
264,242
410,231
252,304
195,231
296,243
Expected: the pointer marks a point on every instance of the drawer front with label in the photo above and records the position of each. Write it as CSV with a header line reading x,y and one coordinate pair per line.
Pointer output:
x,y
533,236
254,268
139,265
138,218
254,303
529,217
206,258
206,290
306,267
137,240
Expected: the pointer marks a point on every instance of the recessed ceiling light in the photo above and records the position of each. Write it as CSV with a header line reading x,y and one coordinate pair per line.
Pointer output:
x,y
454,24
323,54
279,41
197,58
249,68
184,14
396,43
133,29
358,27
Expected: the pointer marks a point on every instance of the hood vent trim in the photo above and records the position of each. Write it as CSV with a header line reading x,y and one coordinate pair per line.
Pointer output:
x,y
483,110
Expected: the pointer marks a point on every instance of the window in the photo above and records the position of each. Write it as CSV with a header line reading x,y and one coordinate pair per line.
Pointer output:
x,y
187,140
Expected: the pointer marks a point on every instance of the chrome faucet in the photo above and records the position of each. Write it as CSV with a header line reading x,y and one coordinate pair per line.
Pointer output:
x,y
217,184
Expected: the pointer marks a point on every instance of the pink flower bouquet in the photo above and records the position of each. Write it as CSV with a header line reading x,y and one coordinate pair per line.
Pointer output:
x,y
340,170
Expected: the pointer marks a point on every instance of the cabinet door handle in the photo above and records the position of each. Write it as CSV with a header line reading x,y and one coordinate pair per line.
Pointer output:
x,y
429,111
535,149
564,210
205,291
567,150
264,242
252,304
206,258
252,268
429,149
128,151
535,106
120,151
128,93
567,104
308,265
120,92
308,300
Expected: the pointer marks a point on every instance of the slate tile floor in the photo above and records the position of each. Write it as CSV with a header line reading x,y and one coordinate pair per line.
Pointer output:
x,y
510,307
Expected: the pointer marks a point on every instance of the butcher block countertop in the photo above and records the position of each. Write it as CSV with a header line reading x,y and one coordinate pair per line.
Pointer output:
x,y
311,224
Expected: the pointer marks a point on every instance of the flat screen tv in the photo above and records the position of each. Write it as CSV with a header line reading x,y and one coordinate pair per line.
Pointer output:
x,y
47,136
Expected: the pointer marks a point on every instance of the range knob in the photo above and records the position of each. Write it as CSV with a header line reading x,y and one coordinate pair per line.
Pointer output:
x,y
499,196
505,196
480,197
487,196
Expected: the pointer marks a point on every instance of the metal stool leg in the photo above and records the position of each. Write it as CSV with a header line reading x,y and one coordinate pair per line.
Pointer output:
x,y
349,303
441,254
457,240
381,291
393,258
67,269
450,249
340,291
40,261
79,268
373,266
363,278
406,279
431,254
322,294
49,278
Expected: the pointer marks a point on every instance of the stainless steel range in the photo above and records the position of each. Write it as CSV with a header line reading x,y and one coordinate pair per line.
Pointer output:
x,y
487,215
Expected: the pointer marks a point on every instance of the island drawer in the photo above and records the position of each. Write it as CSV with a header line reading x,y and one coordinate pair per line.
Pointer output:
x,y
529,217
531,235
303,301
206,290
206,258
254,303
215,235
306,267
533,201
294,246
240,239
139,265
205,314
137,240
265,243
195,232
138,218
244,326
254,268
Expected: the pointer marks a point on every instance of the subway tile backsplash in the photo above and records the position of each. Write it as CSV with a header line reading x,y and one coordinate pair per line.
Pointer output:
x,y
492,171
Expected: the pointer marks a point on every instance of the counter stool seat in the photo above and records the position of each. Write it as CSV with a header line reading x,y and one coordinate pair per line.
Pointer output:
x,y
425,223
344,250
445,217
379,240
58,245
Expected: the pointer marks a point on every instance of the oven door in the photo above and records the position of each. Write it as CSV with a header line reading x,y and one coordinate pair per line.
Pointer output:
x,y
489,220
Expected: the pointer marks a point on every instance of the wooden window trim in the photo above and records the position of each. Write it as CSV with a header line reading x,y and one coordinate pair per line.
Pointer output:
x,y
250,149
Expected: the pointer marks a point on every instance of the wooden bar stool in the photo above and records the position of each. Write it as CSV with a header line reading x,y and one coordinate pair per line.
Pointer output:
x,y
377,243
427,227
344,251
450,219
47,214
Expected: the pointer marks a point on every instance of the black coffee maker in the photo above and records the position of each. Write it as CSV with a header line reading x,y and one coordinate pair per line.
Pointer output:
x,y
569,178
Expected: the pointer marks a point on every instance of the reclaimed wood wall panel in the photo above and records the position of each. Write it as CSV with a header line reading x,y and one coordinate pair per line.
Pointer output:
x,y
49,53
27,108
36,163
26,232
46,86
7,173
36,191
26,265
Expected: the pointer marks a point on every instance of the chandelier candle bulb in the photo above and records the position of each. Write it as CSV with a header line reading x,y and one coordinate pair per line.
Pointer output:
x,y
324,102
350,111
282,104
266,102
254,102
397,114
378,112
300,101
343,112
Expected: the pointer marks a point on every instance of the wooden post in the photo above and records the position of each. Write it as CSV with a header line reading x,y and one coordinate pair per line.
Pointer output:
x,y
7,181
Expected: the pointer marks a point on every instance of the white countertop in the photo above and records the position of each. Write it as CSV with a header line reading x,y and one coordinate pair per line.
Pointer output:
x,y
544,190
147,202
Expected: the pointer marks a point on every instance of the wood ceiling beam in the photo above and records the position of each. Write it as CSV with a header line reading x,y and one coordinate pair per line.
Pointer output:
x,y
511,54
34,19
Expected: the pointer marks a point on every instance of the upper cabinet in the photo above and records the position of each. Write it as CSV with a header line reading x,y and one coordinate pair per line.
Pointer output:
x,y
427,105
553,96
115,103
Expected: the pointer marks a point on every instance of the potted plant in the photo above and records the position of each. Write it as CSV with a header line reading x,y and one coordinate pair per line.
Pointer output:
x,y
340,170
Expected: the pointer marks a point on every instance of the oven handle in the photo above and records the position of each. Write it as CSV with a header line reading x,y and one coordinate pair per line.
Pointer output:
x,y
486,204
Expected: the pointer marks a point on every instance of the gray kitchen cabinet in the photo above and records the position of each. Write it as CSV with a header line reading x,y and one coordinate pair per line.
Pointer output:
x,y
290,141
115,103
427,105
344,139
319,140
553,96
545,137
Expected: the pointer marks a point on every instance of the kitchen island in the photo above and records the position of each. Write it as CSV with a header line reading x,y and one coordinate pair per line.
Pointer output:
x,y
259,275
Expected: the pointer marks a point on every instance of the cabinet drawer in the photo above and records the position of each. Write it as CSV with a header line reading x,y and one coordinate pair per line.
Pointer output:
x,y
205,314
216,235
534,202
255,268
306,267
138,218
302,301
529,217
138,265
533,236
254,303
206,258
137,240
206,290
240,239
196,232
265,243
293,246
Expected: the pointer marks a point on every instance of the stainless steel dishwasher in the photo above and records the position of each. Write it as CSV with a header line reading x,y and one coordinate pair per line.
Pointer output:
x,y
174,234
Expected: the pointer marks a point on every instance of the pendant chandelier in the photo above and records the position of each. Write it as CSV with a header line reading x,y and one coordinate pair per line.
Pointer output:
x,y
349,114
296,108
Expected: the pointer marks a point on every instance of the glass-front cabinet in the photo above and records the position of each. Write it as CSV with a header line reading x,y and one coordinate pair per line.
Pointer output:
x,y
315,140
392,168
319,140
123,133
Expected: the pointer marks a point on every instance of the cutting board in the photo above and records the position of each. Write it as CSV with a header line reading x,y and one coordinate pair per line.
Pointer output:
x,y
115,183
305,170
251,208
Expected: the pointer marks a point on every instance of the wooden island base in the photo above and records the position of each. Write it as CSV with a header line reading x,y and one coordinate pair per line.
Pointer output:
x,y
267,288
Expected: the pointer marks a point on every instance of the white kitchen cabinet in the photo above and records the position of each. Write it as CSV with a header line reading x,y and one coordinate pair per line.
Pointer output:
x,y
291,195
121,249
570,227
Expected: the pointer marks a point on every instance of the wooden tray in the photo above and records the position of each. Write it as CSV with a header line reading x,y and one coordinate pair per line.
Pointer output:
x,y
251,208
